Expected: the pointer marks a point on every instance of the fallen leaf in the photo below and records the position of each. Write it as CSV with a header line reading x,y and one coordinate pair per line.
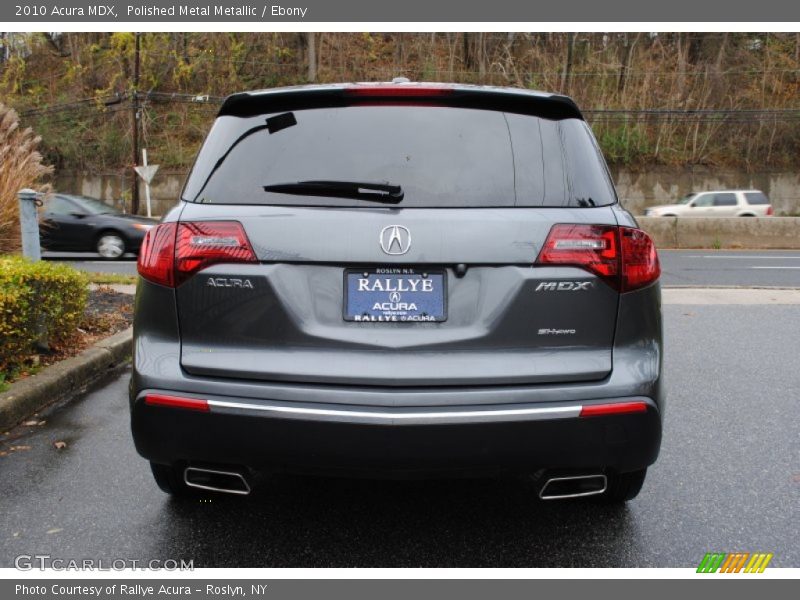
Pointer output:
x,y
60,445
20,448
796,478
30,423
54,530
16,534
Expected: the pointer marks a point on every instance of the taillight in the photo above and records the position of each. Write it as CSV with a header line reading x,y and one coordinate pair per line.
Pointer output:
x,y
201,244
623,257
157,255
640,265
172,252
769,210
590,247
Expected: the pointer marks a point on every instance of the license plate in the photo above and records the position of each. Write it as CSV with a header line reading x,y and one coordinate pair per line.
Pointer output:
x,y
394,294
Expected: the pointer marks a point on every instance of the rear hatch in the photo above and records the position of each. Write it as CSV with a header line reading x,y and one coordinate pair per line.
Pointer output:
x,y
393,235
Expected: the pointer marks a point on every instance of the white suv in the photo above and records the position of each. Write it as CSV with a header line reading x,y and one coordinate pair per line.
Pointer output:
x,y
728,203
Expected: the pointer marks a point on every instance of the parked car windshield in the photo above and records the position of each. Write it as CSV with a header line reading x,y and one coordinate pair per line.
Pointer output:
x,y
686,199
439,156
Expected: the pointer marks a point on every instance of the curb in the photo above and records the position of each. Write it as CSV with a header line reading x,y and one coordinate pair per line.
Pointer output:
x,y
64,379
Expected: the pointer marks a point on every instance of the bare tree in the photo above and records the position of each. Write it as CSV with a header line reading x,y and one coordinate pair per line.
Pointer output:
x,y
311,42
627,58
56,41
797,47
566,73
3,47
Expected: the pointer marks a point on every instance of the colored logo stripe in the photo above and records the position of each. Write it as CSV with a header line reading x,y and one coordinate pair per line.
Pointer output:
x,y
711,562
758,563
734,562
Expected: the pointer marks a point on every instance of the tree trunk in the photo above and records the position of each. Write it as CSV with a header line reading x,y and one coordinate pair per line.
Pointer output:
x,y
469,61
566,74
721,52
399,55
627,58
311,41
681,74
481,56
797,47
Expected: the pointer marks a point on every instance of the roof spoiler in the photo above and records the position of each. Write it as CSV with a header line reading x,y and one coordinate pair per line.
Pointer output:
x,y
251,104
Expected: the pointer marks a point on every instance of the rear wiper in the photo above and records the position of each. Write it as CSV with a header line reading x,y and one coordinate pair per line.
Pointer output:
x,y
360,190
272,124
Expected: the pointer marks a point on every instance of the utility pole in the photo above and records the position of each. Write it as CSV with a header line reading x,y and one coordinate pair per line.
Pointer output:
x,y
135,116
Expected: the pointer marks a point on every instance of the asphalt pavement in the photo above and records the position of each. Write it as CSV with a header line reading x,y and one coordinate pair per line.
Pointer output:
x,y
728,479
769,268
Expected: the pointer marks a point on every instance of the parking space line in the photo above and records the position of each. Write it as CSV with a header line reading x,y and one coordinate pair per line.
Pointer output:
x,y
745,257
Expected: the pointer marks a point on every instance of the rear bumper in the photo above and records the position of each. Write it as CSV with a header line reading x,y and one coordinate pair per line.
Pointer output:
x,y
392,441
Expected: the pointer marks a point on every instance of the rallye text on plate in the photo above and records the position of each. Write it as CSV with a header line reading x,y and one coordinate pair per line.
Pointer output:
x,y
394,294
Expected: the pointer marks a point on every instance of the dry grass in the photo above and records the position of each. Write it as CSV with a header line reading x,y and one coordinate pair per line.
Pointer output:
x,y
20,167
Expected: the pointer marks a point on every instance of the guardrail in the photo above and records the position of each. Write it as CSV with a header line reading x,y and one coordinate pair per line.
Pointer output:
x,y
731,232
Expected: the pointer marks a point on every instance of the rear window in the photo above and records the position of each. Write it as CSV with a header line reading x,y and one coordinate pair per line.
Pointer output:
x,y
756,198
441,157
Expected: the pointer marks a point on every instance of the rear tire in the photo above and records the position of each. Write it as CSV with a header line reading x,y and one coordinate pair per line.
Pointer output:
x,y
623,486
170,480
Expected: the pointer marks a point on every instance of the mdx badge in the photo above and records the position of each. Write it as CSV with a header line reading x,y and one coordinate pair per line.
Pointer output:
x,y
564,286
395,239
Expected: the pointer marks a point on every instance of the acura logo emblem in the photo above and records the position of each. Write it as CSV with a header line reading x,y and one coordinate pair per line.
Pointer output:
x,y
395,239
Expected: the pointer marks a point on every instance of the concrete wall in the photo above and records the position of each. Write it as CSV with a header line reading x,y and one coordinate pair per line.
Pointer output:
x,y
661,185
115,188
732,232
637,189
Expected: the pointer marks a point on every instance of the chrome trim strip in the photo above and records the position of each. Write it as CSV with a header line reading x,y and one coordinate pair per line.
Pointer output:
x,y
211,488
581,495
388,416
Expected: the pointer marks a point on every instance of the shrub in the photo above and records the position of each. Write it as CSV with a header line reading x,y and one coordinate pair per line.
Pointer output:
x,y
20,167
37,300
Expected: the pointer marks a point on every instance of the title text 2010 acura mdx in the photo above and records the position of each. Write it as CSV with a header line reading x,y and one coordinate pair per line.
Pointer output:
x,y
399,279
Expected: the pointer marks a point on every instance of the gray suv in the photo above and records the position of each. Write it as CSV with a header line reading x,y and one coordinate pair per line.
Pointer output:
x,y
404,280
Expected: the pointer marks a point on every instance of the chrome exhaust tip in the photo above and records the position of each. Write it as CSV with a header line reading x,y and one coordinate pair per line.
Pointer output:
x,y
576,486
213,480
